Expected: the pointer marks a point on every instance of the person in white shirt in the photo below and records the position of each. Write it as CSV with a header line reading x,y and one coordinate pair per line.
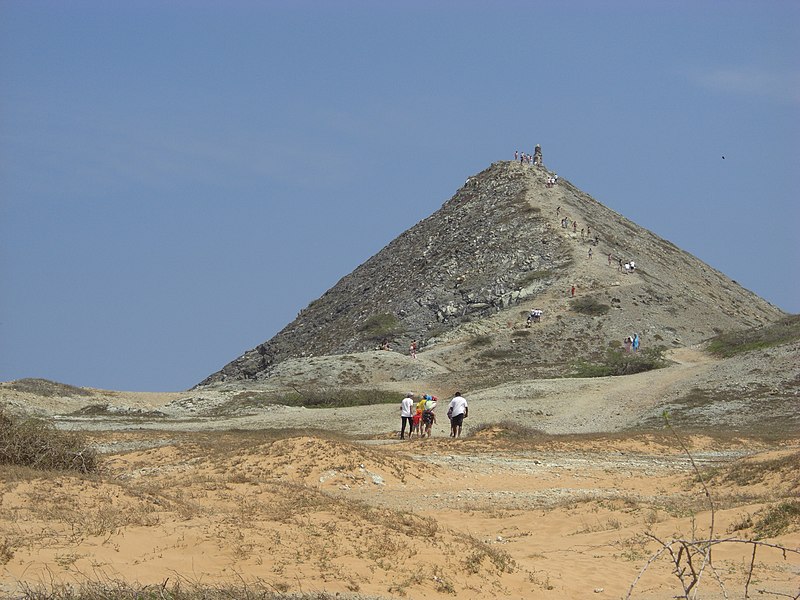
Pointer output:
x,y
406,414
457,412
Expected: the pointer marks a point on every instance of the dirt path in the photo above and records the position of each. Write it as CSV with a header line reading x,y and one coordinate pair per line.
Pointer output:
x,y
593,404
572,405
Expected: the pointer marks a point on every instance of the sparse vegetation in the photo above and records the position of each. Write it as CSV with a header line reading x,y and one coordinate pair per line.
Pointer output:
x,y
499,353
589,305
497,557
749,471
531,276
618,362
779,519
336,398
39,445
47,388
179,590
480,341
507,430
105,410
382,325
784,331
691,557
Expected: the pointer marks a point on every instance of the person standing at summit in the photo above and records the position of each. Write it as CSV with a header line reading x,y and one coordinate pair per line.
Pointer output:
x,y
406,415
457,411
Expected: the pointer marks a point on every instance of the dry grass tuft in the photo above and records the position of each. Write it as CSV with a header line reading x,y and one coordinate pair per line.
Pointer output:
x,y
39,445
119,590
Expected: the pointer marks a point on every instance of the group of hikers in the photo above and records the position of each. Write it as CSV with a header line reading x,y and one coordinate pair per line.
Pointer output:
x,y
534,316
527,159
412,348
421,417
631,343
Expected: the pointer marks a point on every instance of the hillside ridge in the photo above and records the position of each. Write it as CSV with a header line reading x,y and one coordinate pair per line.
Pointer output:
x,y
499,242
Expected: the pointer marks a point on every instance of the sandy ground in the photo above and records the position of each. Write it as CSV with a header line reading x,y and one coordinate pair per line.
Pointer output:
x,y
483,517
305,500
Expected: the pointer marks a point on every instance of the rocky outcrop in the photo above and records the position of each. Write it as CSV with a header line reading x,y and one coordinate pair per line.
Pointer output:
x,y
485,249
496,243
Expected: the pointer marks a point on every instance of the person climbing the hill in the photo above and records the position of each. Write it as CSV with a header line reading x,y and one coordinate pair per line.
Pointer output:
x,y
412,349
574,227
406,415
635,345
533,317
457,412
572,292
590,253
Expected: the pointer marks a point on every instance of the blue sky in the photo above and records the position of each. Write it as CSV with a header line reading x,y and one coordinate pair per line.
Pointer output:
x,y
179,179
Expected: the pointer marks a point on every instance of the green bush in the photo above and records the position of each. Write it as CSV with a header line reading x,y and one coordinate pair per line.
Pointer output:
x,y
382,325
781,332
39,445
337,398
619,362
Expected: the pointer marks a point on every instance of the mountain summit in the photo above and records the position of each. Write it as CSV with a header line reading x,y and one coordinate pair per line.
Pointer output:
x,y
470,273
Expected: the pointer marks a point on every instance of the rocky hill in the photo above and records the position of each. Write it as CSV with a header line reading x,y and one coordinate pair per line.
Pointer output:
x,y
462,281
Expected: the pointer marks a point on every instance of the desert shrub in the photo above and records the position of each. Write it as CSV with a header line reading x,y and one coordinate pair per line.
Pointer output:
x,y
531,276
510,430
779,519
619,362
336,398
587,305
47,388
479,341
582,368
784,331
179,590
499,353
749,472
38,444
382,325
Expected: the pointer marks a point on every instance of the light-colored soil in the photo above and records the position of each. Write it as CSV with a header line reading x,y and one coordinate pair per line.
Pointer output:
x,y
213,487
571,405
478,518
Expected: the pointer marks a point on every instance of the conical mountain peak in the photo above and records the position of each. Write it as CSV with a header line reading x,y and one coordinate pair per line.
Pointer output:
x,y
510,240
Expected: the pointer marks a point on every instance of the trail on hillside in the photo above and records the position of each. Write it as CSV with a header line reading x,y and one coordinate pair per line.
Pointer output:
x,y
585,405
